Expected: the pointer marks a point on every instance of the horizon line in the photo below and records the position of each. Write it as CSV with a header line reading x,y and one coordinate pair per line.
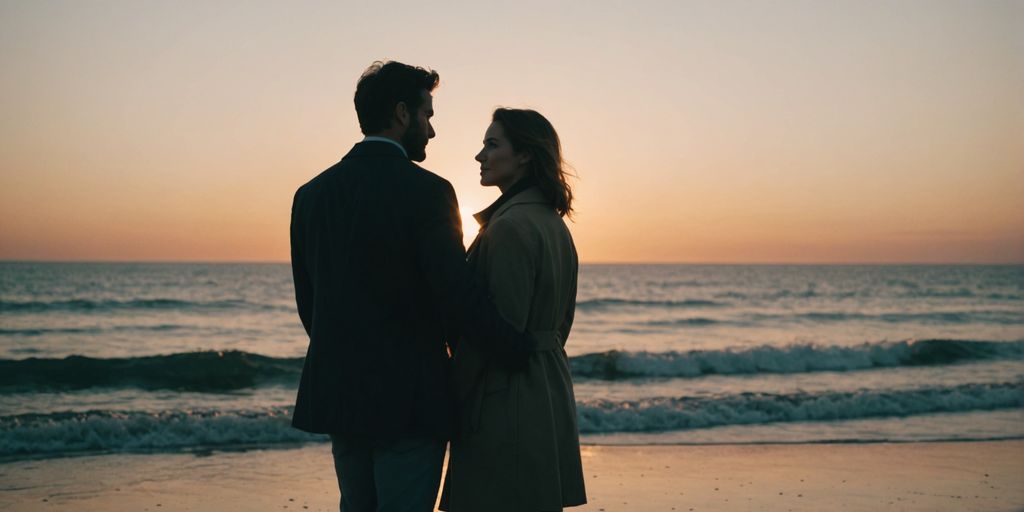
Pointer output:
x,y
582,263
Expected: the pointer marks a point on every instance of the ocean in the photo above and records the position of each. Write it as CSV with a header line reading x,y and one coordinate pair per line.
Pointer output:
x,y
153,358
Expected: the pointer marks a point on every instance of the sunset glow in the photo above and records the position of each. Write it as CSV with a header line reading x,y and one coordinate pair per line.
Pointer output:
x,y
470,227
736,132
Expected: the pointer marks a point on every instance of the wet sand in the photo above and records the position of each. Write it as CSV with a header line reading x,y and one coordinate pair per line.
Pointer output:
x,y
982,476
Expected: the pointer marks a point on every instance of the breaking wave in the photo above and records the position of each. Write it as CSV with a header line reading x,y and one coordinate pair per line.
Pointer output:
x,y
801,358
661,413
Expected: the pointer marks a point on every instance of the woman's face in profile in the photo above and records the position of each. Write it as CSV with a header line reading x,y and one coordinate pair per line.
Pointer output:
x,y
500,165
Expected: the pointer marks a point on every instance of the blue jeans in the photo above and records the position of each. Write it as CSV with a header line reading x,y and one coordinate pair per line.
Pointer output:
x,y
399,476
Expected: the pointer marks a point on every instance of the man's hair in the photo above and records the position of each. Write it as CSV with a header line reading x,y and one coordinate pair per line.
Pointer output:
x,y
385,84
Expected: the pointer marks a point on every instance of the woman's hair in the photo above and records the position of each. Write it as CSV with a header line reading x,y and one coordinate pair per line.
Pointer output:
x,y
530,133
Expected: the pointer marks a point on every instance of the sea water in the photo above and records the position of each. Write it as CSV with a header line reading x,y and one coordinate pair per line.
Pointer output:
x,y
112,357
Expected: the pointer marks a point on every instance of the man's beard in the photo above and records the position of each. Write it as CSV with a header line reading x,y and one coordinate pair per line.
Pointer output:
x,y
415,142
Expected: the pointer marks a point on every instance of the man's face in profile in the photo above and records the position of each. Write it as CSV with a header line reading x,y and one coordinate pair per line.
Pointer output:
x,y
420,130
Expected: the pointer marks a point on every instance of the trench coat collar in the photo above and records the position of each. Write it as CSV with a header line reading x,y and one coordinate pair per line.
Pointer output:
x,y
529,194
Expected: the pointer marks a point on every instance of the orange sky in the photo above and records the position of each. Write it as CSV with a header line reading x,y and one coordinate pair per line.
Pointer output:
x,y
736,132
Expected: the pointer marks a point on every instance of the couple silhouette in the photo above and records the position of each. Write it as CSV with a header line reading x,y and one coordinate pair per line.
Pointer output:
x,y
412,342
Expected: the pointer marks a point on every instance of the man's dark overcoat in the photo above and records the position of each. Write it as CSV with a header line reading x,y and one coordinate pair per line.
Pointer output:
x,y
380,283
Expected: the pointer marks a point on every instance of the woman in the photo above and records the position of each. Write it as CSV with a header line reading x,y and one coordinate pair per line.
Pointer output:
x,y
518,443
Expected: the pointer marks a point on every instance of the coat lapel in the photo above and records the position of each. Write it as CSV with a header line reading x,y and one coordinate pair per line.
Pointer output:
x,y
532,195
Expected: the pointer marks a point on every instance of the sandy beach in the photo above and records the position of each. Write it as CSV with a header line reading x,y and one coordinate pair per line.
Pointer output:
x,y
982,476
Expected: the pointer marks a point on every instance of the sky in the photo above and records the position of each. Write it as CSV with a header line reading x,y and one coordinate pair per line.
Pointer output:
x,y
705,132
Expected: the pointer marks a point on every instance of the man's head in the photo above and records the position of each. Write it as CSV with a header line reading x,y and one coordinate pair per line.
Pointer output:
x,y
393,100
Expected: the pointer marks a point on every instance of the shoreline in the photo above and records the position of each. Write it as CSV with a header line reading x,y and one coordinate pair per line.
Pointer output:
x,y
945,475
214,451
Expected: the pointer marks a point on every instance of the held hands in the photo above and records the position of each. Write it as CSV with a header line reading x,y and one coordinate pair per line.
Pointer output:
x,y
511,353
496,337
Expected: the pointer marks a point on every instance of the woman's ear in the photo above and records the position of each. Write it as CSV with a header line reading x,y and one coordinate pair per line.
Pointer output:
x,y
524,158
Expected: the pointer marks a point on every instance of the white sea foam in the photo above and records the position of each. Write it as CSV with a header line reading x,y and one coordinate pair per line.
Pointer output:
x,y
118,431
663,413
132,431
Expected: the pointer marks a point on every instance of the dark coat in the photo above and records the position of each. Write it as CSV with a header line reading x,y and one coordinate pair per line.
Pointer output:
x,y
381,282
518,444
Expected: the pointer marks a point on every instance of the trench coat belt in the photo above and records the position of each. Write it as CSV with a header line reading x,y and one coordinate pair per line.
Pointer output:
x,y
547,340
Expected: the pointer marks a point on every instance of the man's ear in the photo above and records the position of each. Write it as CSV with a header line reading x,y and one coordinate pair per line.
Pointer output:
x,y
402,114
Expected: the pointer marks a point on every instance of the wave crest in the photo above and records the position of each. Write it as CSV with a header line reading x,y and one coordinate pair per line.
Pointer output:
x,y
802,358
93,306
191,371
63,433
608,302
121,431
230,370
660,414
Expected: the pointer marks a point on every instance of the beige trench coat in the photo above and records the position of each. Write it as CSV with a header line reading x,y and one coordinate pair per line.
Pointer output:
x,y
518,443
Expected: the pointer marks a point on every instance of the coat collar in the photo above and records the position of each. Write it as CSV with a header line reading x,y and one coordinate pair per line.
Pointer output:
x,y
529,195
373,148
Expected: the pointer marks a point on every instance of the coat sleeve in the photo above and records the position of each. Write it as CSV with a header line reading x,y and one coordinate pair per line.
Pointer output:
x,y
464,303
440,252
570,309
300,274
510,268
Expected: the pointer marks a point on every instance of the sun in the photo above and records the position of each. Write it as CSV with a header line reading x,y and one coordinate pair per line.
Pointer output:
x,y
469,227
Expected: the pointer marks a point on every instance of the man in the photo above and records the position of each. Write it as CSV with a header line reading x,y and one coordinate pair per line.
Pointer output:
x,y
381,283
